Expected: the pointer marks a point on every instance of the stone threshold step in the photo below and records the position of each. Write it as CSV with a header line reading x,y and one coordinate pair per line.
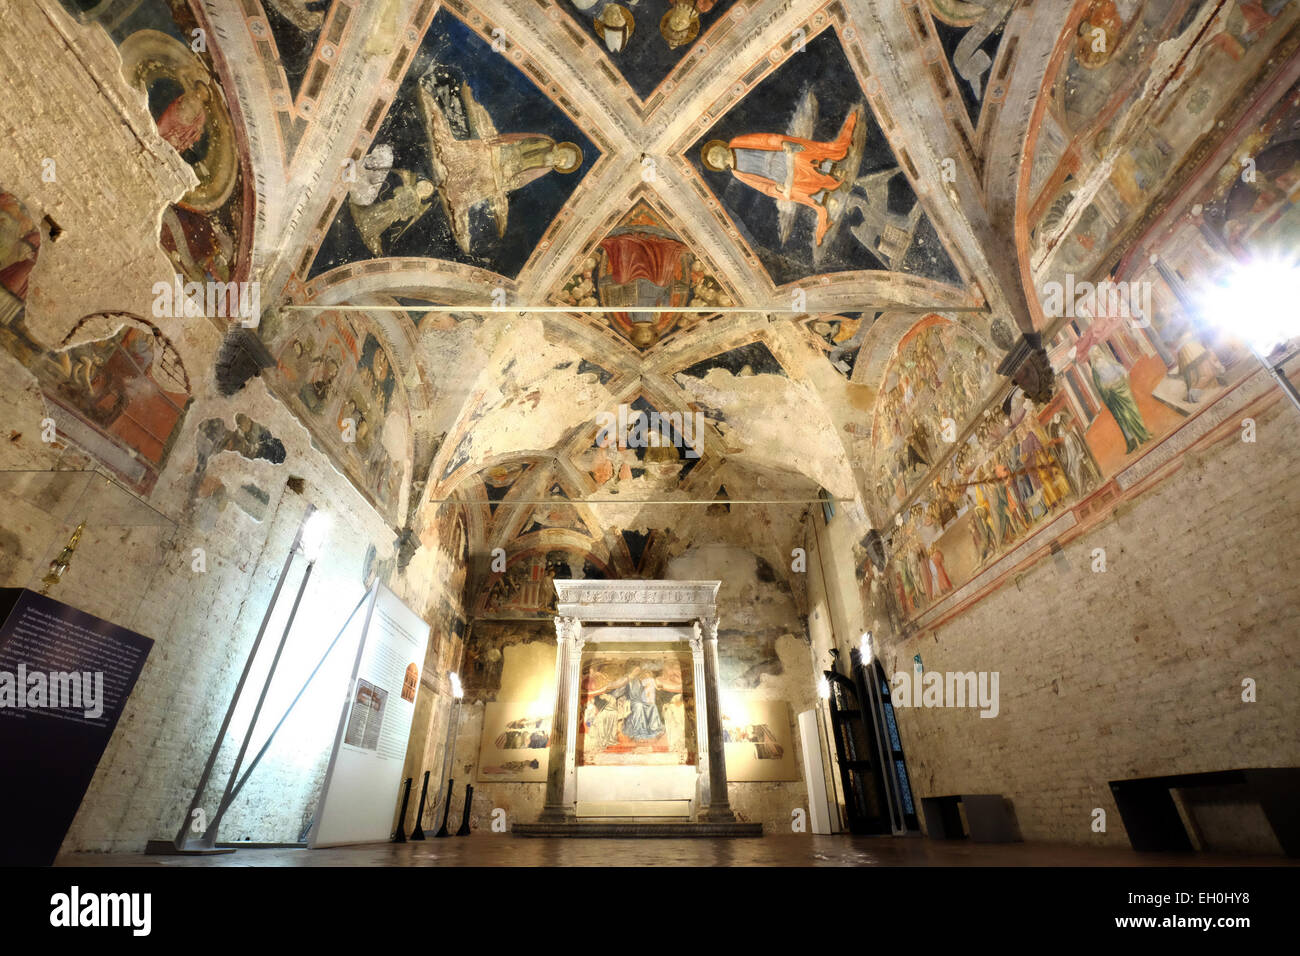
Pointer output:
x,y
639,830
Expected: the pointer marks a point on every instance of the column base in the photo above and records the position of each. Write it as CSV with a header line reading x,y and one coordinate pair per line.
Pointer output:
x,y
717,815
557,815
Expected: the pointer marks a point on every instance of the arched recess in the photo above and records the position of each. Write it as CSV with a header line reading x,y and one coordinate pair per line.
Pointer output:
x,y
208,233
350,378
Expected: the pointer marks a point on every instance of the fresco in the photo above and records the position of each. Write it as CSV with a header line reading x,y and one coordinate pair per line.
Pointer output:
x,y
342,382
805,173
645,40
970,33
556,515
205,234
744,656
499,479
642,262
637,706
471,164
840,337
1012,475
1128,384
1123,385
296,26
937,371
612,467
526,590
121,397
752,359
20,243
1080,209
515,744
1259,213
757,740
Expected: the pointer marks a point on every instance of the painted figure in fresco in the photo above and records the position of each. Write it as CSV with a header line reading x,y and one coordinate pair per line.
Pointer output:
x,y
315,393
981,526
19,241
182,123
1072,455
409,201
602,718
804,171
938,572
487,166
1199,368
970,62
1099,34
640,690
675,723
614,26
680,25
199,246
1112,383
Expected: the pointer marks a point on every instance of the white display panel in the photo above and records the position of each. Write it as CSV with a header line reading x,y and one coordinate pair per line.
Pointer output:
x,y
358,799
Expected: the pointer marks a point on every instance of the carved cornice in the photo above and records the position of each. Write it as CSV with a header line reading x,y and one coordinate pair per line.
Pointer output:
x,y
636,600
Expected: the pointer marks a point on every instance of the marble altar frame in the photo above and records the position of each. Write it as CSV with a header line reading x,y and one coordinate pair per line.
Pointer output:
x,y
613,612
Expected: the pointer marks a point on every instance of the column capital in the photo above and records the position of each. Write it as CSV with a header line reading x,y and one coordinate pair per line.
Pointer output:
x,y
707,627
568,629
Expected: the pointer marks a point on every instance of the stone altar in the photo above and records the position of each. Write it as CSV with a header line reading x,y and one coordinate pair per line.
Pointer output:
x,y
679,800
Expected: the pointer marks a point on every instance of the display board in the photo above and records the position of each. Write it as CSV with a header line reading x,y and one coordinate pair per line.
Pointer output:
x,y
365,768
65,677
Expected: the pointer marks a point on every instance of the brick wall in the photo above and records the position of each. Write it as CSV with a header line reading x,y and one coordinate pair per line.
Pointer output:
x,y
1136,671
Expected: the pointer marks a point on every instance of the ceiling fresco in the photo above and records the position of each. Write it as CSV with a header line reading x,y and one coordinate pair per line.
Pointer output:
x,y
471,163
788,249
645,39
804,171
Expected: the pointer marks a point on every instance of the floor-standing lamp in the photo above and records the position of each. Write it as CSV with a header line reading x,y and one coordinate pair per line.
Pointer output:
x,y
449,753
308,542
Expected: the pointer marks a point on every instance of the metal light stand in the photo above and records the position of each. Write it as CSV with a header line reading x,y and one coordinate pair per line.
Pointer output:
x,y
448,755
1288,387
205,842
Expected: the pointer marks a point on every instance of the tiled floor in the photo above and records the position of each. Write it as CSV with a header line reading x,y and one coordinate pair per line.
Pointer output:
x,y
785,850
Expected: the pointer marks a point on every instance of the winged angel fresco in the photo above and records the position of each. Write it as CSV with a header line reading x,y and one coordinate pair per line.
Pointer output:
x,y
472,163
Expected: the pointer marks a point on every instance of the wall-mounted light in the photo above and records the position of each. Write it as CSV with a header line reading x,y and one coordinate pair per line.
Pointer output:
x,y
456,690
867,652
824,689
1255,302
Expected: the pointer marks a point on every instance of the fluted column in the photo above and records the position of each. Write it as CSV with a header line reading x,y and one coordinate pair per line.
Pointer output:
x,y
559,787
576,640
701,722
719,808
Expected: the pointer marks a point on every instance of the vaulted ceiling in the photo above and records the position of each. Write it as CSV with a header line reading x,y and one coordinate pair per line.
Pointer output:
x,y
403,165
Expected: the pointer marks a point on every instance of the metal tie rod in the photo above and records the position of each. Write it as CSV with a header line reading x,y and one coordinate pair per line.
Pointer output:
x,y
601,310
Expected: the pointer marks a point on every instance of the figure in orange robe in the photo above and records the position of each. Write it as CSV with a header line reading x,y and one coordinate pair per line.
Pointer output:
x,y
785,167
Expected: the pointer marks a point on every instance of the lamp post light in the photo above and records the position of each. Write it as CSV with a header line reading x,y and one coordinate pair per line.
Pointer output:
x,y
449,753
